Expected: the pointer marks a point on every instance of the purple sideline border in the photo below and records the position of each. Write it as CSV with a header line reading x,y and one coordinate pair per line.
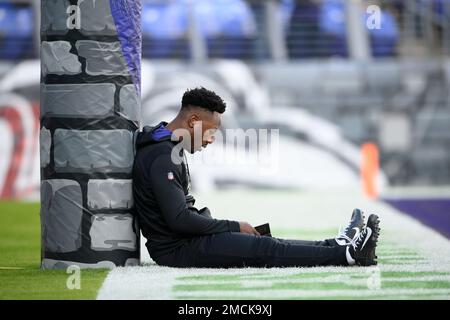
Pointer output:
x,y
434,212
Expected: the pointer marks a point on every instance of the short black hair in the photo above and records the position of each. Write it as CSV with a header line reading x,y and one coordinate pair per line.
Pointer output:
x,y
204,98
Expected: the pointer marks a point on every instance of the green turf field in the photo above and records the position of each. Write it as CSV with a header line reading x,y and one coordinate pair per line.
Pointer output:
x,y
20,275
402,273
414,261
398,276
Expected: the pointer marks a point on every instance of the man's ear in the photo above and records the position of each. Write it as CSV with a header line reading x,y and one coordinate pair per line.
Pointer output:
x,y
192,120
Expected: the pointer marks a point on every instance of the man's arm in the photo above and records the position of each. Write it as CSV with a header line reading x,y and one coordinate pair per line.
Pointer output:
x,y
205,212
165,180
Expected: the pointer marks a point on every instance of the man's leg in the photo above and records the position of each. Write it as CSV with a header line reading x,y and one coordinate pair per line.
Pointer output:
x,y
233,249
356,223
323,243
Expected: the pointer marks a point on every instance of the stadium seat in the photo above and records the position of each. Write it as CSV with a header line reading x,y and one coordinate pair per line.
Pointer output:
x,y
384,40
236,30
16,31
321,31
228,26
333,27
303,32
164,31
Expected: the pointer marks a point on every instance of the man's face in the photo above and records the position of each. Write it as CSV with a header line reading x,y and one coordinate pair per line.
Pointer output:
x,y
203,126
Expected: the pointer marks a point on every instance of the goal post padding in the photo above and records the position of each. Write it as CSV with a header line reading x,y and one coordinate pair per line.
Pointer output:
x,y
90,111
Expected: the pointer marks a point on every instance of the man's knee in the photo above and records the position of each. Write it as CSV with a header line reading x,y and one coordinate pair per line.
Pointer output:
x,y
268,247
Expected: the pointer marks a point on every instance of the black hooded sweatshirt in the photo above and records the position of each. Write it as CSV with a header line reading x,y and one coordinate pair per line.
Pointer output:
x,y
165,210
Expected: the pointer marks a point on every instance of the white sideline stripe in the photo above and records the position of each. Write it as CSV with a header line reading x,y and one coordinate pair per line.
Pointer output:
x,y
289,293
394,256
429,267
330,279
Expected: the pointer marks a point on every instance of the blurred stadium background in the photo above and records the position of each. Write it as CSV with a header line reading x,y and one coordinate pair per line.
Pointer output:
x,y
305,67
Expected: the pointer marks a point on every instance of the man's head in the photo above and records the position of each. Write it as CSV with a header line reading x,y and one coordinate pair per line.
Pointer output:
x,y
200,115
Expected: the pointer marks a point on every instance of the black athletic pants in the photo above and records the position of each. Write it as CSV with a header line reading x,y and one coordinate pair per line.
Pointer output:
x,y
234,249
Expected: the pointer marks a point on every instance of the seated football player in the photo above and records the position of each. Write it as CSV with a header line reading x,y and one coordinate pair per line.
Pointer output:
x,y
180,235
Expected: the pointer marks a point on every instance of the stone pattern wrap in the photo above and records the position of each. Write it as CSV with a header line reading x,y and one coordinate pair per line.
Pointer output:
x,y
90,111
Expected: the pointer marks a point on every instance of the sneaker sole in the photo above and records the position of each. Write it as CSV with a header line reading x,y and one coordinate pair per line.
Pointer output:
x,y
370,259
362,218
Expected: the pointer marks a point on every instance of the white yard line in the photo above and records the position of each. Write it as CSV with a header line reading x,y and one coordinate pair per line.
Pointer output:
x,y
260,282
289,293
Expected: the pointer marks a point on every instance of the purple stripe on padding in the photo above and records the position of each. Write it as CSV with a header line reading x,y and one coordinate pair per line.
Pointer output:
x,y
434,213
127,17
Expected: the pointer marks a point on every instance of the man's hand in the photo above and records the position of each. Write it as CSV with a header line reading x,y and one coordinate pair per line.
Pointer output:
x,y
245,227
